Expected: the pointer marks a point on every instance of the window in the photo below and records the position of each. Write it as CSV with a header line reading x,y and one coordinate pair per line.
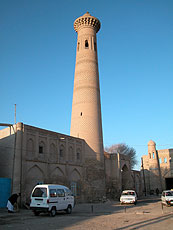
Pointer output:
x,y
153,155
124,193
53,193
78,154
74,188
86,44
78,46
95,47
153,168
40,192
68,192
61,152
71,154
40,149
160,160
165,160
168,193
60,193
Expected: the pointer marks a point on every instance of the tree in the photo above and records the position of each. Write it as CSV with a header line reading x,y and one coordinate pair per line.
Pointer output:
x,y
123,149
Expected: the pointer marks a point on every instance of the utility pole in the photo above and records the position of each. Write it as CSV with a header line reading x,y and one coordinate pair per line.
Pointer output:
x,y
143,175
160,175
15,114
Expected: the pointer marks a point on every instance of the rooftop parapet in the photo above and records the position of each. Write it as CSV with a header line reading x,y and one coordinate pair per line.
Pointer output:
x,y
86,21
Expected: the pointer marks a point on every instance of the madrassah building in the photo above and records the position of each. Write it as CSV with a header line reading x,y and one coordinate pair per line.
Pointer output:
x,y
31,155
157,169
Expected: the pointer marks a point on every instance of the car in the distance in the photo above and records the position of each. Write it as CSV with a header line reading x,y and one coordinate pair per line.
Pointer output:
x,y
167,197
128,197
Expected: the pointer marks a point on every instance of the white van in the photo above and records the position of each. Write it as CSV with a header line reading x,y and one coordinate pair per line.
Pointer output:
x,y
51,198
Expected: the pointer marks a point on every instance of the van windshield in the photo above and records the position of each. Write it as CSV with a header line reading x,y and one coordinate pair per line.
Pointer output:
x,y
40,192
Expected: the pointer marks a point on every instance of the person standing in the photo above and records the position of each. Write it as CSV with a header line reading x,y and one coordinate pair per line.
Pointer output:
x,y
11,201
157,191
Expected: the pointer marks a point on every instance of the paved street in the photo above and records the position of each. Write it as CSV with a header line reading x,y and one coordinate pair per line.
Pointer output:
x,y
147,214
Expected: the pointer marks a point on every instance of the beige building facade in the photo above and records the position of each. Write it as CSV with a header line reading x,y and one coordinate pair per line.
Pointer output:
x,y
30,155
157,168
119,175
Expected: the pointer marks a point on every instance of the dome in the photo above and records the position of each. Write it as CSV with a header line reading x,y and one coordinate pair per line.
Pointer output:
x,y
151,143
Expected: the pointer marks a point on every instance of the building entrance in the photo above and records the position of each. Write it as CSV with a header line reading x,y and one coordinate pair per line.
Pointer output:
x,y
126,182
169,183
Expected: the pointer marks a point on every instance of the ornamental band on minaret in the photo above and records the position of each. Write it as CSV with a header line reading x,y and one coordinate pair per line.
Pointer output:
x,y
86,122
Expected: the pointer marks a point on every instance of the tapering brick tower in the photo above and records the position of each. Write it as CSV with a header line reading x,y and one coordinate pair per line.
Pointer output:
x,y
86,119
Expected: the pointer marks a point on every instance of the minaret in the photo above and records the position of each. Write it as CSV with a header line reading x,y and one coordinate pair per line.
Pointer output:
x,y
86,122
152,149
154,164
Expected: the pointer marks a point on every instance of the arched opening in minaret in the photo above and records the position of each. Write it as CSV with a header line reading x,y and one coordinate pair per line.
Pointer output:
x,y
78,46
95,47
86,44
81,113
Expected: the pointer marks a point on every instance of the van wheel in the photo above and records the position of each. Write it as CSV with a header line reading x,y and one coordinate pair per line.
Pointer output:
x,y
69,209
53,212
36,213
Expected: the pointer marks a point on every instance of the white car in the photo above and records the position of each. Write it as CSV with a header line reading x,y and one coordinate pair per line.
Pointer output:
x,y
128,197
167,197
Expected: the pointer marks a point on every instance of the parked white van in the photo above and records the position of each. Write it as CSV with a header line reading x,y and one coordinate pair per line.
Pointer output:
x,y
51,198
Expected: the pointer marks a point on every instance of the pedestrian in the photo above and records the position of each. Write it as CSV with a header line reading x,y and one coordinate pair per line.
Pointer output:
x,y
157,191
11,201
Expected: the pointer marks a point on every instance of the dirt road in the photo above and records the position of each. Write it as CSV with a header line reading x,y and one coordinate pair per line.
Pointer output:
x,y
147,214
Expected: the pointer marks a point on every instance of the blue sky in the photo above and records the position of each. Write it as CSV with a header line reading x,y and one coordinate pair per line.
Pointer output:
x,y
135,54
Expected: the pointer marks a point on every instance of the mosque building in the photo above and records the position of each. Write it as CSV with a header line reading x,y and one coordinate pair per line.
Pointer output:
x,y
31,155
157,168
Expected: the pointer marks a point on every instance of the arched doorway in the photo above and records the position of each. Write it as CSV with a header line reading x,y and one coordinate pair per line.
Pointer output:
x,y
57,176
75,182
126,178
34,176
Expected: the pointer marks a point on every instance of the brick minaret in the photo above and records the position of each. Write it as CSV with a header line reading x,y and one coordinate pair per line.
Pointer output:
x,y
86,119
